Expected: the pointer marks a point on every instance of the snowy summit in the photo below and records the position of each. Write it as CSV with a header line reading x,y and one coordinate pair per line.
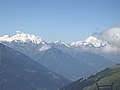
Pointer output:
x,y
23,38
90,41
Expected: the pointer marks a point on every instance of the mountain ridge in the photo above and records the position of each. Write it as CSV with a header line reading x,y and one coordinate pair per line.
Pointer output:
x,y
19,72
65,53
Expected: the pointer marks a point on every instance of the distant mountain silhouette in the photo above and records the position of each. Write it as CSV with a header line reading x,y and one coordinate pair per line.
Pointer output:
x,y
19,72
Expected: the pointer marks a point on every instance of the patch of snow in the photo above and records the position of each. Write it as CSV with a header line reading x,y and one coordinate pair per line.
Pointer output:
x,y
53,75
58,42
44,48
77,43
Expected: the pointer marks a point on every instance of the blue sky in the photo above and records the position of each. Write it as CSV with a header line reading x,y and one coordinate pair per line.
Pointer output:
x,y
66,20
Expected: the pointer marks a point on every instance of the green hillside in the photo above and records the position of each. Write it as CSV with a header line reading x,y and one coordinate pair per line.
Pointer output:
x,y
105,77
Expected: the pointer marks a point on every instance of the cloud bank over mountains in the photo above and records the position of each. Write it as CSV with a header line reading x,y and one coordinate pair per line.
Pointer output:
x,y
112,37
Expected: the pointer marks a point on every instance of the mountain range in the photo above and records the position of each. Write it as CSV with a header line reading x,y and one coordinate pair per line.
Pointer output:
x,y
73,60
19,72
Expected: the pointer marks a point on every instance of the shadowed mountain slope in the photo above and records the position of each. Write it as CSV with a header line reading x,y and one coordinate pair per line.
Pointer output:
x,y
19,72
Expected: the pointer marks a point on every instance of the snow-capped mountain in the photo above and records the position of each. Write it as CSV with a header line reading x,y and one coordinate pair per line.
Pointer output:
x,y
23,38
26,40
105,42
91,42
60,57
98,46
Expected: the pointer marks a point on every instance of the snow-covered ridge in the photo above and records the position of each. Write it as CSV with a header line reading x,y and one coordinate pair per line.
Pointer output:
x,y
90,41
59,43
22,37
94,41
27,38
28,41
76,43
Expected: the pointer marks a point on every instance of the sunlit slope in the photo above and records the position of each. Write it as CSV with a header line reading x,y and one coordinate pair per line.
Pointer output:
x,y
105,77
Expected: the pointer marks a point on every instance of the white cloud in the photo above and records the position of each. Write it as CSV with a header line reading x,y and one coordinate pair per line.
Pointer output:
x,y
110,49
106,49
111,35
